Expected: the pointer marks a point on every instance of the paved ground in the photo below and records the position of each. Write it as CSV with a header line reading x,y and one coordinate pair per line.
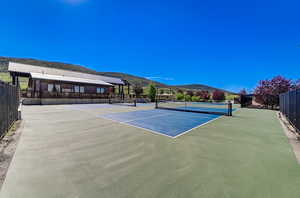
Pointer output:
x,y
8,146
69,153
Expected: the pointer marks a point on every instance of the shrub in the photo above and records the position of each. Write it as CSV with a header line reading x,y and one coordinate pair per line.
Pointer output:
x,y
179,96
195,98
188,98
218,95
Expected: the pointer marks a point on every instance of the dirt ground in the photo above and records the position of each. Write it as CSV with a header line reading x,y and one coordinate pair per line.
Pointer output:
x,y
8,147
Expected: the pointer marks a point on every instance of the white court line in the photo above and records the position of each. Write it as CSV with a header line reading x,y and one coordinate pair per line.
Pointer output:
x,y
152,131
144,118
157,132
197,127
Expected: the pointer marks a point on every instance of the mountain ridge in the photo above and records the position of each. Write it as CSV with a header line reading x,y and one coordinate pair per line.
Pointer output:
x,y
201,86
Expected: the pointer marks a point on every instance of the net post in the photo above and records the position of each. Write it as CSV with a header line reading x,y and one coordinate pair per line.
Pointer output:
x,y
229,108
134,102
156,103
185,103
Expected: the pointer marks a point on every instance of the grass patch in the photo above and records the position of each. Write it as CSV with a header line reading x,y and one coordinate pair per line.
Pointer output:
x,y
4,76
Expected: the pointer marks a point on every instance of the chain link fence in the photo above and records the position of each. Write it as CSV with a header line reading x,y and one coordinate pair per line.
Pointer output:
x,y
290,107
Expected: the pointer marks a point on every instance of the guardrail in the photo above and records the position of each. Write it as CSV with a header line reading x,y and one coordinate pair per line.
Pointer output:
x,y
9,103
290,107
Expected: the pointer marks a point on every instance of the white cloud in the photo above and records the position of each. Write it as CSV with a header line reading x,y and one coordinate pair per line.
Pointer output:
x,y
159,78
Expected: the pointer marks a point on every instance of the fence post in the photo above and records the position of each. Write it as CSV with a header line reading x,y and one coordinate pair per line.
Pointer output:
x,y
297,124
229,109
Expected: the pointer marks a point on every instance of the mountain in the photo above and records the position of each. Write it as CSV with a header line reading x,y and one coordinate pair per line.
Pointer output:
x,y
130,78
201,87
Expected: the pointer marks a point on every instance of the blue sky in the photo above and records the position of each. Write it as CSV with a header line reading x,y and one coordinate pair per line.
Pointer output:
x,y
227,44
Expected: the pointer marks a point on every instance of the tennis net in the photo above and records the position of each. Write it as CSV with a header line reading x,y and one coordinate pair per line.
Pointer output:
x,y
130,103
196,107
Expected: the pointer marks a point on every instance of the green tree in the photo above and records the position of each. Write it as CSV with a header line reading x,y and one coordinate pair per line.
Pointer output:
x,y
152,92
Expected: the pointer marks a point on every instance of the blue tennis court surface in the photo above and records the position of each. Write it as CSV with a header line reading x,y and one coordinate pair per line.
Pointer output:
x,y
164,122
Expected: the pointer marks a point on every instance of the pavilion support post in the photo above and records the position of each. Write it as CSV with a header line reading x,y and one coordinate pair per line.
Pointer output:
x,y
34,88
17,81
13,76
122,91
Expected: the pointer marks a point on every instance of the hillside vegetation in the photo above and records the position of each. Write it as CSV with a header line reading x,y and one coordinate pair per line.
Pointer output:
x,y
130,78
201,87
4,76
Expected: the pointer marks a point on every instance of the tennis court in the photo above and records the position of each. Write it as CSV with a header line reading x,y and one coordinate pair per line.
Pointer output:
x,y
164,122
75,153
171,119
